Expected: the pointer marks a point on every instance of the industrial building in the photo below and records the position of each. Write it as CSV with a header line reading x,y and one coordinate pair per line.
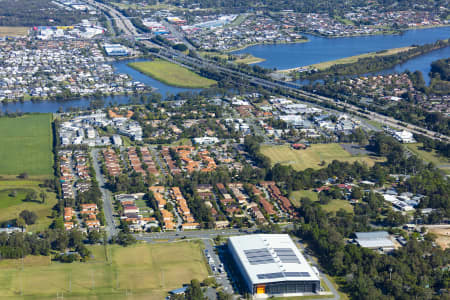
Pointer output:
x,y
272,265
375,240
115,50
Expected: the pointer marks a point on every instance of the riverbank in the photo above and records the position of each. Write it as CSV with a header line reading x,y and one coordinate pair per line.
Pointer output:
x,y
373,63
319,49
347,60
172,74
240,59
301,41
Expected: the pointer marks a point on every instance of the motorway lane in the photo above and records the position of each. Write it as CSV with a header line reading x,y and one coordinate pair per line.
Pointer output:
x,y
110,226
129,28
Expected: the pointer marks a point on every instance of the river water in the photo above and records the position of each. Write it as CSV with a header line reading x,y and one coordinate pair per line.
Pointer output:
x,y
83,103
281,56
320,49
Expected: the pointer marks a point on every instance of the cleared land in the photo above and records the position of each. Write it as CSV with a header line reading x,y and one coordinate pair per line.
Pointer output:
x,y
142,271
439,161
334,205
352,59
172,74
312,156
13,31
11,205
26,145
443,236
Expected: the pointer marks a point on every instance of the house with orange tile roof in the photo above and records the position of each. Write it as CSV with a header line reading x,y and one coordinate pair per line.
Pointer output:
x,y
68,225
68,213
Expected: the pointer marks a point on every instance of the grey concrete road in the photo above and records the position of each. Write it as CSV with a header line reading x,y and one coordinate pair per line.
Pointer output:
x,y
108,209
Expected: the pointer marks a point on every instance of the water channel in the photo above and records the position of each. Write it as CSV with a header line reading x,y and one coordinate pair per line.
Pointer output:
x,y
279,56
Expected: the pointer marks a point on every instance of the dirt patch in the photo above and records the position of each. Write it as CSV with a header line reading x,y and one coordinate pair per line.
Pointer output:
x,y
443,236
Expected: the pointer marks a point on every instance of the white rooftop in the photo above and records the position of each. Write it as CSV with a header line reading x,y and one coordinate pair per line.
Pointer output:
x,y
271,258
374,239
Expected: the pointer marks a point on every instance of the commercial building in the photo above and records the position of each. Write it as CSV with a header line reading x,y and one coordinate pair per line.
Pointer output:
x,y
375,240
115,50
272,265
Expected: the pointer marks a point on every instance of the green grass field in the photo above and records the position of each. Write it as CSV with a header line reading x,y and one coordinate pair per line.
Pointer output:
x,y
26,145
439,161
312,156
10,207
172,74
295,196
143,271
333,206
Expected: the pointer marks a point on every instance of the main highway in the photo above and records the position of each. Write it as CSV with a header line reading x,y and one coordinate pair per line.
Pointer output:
x,y
167,53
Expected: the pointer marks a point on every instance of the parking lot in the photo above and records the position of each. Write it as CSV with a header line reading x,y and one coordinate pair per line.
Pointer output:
x,y
217,266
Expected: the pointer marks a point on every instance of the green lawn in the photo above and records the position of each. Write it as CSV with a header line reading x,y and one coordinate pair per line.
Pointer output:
x,y
295,196
10,207
172,74
143,271
334,205
26,145
312,156
439,161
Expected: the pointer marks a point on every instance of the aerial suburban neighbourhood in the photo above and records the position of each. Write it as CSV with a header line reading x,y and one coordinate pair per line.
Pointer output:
x,y
224,150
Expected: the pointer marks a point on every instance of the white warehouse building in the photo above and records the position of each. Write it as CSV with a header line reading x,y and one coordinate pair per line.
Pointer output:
x,y
272,265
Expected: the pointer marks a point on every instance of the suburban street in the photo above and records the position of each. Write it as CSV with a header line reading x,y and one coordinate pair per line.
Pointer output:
x,y
175,56
110,226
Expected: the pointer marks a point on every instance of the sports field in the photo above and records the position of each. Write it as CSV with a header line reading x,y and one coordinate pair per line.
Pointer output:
x,y
13,31
12,196
144,271
312,156
172,74
26,145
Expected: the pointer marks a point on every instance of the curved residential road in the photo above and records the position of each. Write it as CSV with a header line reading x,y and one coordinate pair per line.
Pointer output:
x,y
110,226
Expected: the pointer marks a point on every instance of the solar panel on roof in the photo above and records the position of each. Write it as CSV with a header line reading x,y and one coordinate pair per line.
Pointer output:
x,y
297,274
270,275
259,256
281,275
286,255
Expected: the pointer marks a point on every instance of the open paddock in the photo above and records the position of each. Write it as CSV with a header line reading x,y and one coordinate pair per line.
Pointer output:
x,y
313,156
142,271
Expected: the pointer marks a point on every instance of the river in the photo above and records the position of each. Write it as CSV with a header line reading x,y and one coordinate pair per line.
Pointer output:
x,y
280,56
320,49
83,103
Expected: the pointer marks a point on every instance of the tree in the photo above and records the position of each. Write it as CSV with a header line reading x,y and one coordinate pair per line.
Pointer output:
x,y
23,175
94,237
43,196
194,291
31,196
20,222
29,217
356,193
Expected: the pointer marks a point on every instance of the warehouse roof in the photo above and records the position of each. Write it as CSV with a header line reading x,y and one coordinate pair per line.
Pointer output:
x,y
375,239
271,258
